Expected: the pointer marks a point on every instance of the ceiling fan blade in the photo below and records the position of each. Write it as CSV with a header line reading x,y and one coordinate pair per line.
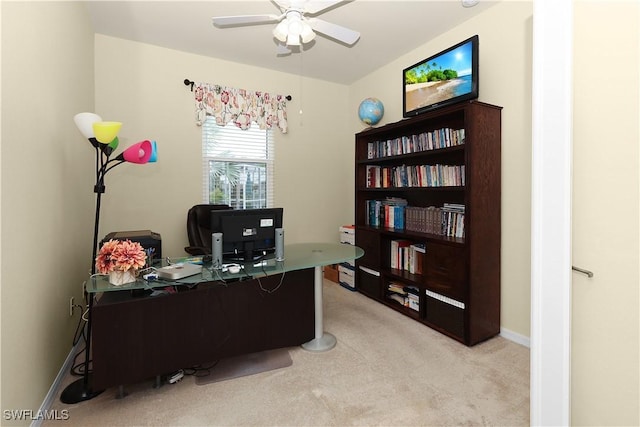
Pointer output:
x,y
225,21
282,4
334,31
313,7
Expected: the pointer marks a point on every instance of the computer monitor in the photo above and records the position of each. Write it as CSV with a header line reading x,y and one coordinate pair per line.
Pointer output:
x,y
247,234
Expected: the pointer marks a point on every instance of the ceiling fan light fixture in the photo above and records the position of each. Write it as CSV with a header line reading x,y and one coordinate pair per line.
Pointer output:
x,y
295,27
307,33
293,30
282,30
293,40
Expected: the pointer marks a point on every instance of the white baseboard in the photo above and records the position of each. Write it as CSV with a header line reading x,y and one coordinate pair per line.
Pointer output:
x,y
515,337
53,390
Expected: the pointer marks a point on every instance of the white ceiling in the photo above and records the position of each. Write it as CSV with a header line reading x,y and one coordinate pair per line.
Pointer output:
x,y
388,30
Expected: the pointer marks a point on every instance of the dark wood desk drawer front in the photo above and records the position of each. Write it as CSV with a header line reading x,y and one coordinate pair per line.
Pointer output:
x,y
445,271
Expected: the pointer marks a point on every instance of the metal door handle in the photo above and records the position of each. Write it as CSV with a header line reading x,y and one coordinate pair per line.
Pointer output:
x,y
583,271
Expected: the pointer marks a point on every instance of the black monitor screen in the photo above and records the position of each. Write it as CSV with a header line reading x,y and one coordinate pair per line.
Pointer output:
x,y
247,234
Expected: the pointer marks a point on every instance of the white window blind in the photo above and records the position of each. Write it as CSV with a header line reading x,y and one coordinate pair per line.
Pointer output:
x,y
237,165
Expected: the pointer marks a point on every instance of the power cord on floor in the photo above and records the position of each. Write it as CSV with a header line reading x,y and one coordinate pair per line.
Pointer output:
x,y
77,368
199,371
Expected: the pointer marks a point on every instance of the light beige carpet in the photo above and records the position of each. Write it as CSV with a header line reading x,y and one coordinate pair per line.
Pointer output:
x,y
243,365
386,370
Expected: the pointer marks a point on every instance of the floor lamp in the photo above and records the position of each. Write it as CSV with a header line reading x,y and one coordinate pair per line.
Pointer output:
x,y
103,137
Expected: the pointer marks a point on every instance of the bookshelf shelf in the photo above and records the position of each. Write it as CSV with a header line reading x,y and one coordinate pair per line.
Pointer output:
x,y
441,243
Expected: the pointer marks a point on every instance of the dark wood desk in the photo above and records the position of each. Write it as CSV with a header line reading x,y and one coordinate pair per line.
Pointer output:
x,y
140,338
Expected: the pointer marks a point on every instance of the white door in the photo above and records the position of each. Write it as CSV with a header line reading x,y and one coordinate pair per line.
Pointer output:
x,y
551,159
605,322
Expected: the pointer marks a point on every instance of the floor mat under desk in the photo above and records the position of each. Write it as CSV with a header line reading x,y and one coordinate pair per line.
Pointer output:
x,y
248,364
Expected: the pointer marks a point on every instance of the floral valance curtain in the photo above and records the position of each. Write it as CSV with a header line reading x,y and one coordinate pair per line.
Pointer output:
x,y
240,106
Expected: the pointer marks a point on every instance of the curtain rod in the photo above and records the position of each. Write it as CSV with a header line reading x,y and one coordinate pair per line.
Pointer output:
x,y
188,82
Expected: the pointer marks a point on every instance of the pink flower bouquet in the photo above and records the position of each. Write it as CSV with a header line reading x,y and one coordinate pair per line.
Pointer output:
x,y
120,255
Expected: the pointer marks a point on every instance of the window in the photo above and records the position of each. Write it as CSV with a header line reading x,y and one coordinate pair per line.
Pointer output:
x,y
237,165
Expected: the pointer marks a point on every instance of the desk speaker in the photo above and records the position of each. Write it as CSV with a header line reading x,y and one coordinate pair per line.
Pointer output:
x,y
279,244
216,250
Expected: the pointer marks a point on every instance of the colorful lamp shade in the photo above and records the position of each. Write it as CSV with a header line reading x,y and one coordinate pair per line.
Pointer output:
x,y
154,152
85,121
105,132
137,153
109,148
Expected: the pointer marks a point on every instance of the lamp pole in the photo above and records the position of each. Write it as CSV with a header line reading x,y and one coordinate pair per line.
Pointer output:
x,y
80,390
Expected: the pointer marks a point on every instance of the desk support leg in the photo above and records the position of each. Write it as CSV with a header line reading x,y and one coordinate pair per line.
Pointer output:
x,y
121,393
323,341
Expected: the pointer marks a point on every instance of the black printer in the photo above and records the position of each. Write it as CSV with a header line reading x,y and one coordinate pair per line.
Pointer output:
x,y
147,239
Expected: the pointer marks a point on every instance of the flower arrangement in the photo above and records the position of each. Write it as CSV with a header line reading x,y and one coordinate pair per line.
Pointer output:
x,y
120,255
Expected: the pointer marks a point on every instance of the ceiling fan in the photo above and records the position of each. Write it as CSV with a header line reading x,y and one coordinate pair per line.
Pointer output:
x,y
294,26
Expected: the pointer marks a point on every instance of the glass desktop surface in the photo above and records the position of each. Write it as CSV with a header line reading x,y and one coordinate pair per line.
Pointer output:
x,y
296,257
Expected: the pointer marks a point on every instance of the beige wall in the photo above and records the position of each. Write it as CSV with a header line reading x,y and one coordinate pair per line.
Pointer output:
x,y
142,86
505,65
46,195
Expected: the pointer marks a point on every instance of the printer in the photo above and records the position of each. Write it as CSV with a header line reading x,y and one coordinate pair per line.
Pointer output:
x,y
147,239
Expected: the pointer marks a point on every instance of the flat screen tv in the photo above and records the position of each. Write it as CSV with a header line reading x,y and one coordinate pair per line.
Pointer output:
x,y
446,78
247,234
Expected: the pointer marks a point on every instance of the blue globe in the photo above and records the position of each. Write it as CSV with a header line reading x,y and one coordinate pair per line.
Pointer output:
x,y
370,111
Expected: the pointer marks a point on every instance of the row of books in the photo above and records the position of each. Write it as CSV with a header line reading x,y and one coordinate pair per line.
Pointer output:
x,y
415,176
387,213
407,296
447,220
407,256
394,212
439,138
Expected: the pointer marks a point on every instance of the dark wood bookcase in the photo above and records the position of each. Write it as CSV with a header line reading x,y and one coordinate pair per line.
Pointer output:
x,y
457,278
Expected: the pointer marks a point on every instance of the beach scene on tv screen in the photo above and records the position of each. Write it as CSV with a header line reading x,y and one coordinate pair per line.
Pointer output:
x,y
439,79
